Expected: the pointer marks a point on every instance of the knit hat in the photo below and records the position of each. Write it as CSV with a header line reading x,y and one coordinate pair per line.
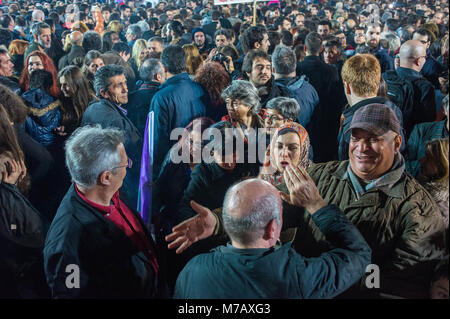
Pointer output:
x,y
195,30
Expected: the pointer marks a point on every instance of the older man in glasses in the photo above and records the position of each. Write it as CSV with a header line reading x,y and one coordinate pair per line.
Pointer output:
x,y
97,246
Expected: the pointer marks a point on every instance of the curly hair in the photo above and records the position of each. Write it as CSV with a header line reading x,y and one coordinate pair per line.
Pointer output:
x,y
214,79
48,64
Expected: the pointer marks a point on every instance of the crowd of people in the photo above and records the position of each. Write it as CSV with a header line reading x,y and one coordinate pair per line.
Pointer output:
x,y
312,145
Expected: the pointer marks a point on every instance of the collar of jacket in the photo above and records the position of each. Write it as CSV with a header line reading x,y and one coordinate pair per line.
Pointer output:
x,y
352,109
410,73
396,191
149,85
312,58
257,252
108,223
183,76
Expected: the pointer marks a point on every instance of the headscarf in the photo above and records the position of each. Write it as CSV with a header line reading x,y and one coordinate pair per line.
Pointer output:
x,y
270,166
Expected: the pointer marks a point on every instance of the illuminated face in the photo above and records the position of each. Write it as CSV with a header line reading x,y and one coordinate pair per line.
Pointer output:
x,y
287,151
287,25
199,39
95,65
117,91
65,88
45,38
422,39
342,39
6,65
331,55
323,30
360,37
237,110
35,63
264,45
106,15
273,119
371,156
221,41
261,72
155,46
373,36
300,20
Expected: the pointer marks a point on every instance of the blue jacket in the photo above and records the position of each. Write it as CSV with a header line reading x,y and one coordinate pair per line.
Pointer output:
x,y
279,272
44,116
304,93
175,105
421,134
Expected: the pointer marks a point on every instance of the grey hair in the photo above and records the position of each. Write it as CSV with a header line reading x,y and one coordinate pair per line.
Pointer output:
x,y
135,29
37,27
143,25
392,39
284,60
150,68
104,74
38,15
245,229
244,91
287,107
91,150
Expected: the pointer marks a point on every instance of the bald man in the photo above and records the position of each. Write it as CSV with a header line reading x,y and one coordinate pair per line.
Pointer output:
x,y
76,53
253,265
408,89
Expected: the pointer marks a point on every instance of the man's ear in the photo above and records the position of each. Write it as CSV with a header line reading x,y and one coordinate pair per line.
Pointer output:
x,y
348,89
104,94
105,178
257,45
397,143
270,231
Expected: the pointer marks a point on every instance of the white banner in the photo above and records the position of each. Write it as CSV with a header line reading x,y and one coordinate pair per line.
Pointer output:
x,y
223,2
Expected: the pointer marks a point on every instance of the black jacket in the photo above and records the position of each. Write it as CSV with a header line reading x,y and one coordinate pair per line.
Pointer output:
x,y
22,236
107,114
139,104
110,264
325,120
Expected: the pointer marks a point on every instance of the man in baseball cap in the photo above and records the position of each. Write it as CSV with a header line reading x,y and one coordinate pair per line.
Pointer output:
x,y
375,141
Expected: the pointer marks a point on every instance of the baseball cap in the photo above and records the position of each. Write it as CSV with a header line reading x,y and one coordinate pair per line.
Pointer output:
x,y
375,118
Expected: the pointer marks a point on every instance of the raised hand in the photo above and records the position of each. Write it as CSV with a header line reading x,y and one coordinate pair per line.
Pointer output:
x,y
303,191
13,171
192,230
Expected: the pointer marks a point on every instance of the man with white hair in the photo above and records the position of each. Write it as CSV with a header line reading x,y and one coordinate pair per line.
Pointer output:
x,y
97,247
254,266
37,16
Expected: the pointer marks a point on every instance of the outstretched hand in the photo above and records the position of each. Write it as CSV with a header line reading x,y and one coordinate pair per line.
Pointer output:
x,y
303,191
199,227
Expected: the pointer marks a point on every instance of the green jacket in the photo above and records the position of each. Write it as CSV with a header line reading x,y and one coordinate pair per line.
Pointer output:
x,y
32,47
403,227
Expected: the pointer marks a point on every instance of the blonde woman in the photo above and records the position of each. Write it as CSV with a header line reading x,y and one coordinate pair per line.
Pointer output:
x,y
138,55
115,26
193,58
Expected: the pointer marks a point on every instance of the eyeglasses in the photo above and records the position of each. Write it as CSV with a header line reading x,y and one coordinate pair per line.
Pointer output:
x,y
273,118
129,164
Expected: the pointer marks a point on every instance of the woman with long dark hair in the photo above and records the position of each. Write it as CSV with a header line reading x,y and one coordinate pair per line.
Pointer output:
x,y
76,96
22,228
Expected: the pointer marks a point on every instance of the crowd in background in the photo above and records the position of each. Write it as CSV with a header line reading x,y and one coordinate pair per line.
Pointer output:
x,y
352,95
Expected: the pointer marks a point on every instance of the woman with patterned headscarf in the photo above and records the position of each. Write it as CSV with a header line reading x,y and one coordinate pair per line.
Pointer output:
x,y
289,146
